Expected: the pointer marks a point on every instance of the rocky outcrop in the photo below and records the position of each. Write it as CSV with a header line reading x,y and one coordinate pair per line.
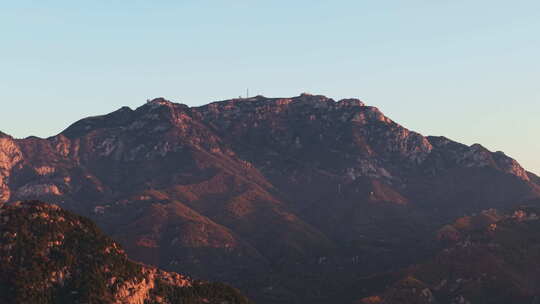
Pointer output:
x,y
10,155
476,155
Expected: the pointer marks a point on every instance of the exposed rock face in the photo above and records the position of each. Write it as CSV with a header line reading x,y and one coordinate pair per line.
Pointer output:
x,y
478,156
10,155
49,255
263,188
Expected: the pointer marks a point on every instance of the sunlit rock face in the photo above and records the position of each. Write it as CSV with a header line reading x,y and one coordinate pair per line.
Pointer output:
x,y
10,155
252,186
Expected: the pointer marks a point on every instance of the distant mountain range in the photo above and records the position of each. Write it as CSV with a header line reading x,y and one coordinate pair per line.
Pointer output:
x,y
292,200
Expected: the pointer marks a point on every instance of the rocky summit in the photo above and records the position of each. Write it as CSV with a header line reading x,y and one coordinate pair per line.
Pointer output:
x,y
292,200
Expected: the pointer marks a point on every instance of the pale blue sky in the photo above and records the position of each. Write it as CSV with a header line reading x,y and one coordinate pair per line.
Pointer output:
x,y
468,70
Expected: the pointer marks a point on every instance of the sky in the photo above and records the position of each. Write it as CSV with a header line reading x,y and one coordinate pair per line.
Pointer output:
x,y
468,70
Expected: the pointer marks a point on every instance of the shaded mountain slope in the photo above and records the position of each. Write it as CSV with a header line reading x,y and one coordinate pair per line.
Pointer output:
x,y
534,178
491,257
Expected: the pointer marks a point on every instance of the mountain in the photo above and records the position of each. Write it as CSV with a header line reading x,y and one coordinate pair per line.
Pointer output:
x,y
491,257
289,199
50,255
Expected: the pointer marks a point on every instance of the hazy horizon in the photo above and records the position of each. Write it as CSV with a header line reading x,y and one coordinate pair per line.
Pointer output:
x,y
467,71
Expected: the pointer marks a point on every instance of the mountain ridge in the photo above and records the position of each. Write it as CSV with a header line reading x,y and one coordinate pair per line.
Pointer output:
x,y
263,188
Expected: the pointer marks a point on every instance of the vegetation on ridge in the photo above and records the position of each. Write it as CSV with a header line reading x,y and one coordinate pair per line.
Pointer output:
x,y
50,255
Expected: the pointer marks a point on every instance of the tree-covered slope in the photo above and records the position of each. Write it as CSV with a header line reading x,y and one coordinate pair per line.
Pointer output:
x,y
50,255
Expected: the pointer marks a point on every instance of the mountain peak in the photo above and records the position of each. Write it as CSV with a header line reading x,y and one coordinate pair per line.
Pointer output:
x,y
86,125
315,99
162,103
159,101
